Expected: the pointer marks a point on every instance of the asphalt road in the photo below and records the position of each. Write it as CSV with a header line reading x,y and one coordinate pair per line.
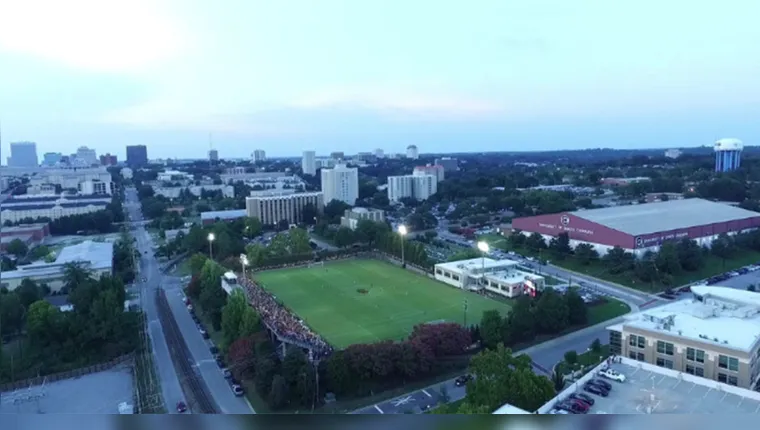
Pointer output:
x,y
218,387
149,269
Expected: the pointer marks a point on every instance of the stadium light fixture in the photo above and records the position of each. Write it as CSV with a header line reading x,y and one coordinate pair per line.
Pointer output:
x,y
402,230
211,238
483,247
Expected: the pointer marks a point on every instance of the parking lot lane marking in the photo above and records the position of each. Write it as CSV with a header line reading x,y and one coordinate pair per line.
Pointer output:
x,y
758,408
378,409
724,397
661,379
708,392
677,384
426,393
693,385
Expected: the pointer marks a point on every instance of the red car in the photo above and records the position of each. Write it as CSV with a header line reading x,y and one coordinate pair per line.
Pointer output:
x,y
181,407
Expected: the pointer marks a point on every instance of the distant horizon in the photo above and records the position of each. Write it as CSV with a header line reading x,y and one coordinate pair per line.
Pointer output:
x,y
488,76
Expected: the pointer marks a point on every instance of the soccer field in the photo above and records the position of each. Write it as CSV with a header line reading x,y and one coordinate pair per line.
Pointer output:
x,y
396,300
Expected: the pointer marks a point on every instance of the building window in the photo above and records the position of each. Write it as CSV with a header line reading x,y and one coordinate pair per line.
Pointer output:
x,y
694,370
455,277
733,380
639,356
637,341
695,355
664,348
668,364
730,363
632,355
722,377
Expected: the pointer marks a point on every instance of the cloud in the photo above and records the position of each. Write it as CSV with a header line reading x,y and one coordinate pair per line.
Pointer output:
x,y
94,35
399,105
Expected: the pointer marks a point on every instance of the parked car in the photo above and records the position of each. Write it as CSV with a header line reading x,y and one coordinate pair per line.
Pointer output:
x,y
613,375
227,374
203,332
604,384
559,412
214,350
190,308
595,389
463,380
573,407
181,407
237,389
583,397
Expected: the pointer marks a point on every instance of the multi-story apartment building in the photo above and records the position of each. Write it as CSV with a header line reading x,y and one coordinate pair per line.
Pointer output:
x,y
716,335
86,156
352,216
412,152
417,186
23,154
72,178
108,160
51,158
213,155
258,155
449,164
20,208
340,183
273,208
137,155
431,169
308,163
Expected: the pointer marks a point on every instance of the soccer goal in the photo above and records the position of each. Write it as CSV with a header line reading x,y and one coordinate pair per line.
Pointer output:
x,y
317,264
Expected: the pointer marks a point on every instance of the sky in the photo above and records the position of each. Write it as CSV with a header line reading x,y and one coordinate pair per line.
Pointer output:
x,y
346,75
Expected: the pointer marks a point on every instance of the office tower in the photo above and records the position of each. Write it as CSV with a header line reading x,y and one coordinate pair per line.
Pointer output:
x,y
86,156
258,155
23,154
308,163
337,155
51,158
213,155
137,155
449,164
412,152
341,183
272,208
728,154
108,160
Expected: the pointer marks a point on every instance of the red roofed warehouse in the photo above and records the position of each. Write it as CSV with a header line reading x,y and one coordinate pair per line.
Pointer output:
x,y
643,227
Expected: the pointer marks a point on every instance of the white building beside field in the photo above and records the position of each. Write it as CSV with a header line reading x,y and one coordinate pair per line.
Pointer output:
x,y
495,276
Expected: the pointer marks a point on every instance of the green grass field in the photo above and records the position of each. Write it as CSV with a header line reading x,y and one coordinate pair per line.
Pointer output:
x,y
397,300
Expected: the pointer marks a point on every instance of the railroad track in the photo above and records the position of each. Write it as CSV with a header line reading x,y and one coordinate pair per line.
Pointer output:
x,y
182,356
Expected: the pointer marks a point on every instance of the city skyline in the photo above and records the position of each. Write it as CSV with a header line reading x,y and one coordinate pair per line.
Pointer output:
x,y
332,77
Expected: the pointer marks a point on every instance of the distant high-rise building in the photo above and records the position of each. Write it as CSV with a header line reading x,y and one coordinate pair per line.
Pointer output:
x,y
108,160
431,169
258,155
379,153
412,152
337,155
137,155
213,155
340,183
308,163
673,153
51,158
728,154
272,208
449,164
23,154
87,156
418,186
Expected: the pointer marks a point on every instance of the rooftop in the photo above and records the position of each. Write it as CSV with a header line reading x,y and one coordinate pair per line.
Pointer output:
x,y
649,389
53,204
53,198
232,214
96,255
726,317
655,217
476,264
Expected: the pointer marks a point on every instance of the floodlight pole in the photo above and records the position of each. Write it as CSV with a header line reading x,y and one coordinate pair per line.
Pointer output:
x,y
465,313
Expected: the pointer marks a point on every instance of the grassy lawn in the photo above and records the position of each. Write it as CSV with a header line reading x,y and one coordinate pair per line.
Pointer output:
x,y
713,266
611,308
329,300
183,268
588,358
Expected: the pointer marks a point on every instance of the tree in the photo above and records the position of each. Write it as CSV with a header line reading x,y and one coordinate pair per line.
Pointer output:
x,y
74,274
344,237
250,323
28,292
241,357
667,259
596,345
577,311
232,316
298,240
499,378
571,357
17,247
252,228
552,313
560,246
490,328
196,262
558,380
278,395
586,254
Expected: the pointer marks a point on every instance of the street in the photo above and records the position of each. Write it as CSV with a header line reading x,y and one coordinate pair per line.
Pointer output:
x,y
218,387
149,270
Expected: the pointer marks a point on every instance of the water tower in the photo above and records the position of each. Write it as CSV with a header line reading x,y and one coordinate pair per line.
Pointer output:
x,y
728,154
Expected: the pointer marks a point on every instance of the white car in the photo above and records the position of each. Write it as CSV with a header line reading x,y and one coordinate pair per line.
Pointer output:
x,y
611,374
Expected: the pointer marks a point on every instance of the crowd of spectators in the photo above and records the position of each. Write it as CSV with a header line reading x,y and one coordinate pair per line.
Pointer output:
x,y
281,320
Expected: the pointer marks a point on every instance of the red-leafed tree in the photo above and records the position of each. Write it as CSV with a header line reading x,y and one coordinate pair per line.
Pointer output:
x,y
241,357
442,339
194,287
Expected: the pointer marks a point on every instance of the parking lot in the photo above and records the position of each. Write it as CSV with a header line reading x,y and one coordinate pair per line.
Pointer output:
x,y
647,392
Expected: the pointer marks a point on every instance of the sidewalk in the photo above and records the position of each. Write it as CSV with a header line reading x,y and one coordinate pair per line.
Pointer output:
x,y
628,290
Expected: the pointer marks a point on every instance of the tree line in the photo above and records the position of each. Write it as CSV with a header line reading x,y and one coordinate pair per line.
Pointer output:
x,y
674,258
